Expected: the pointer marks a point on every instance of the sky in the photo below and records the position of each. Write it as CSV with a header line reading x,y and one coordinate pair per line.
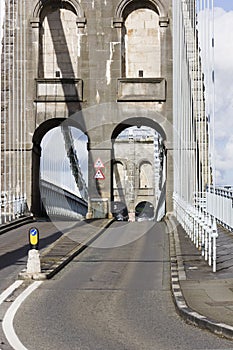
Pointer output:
x,y
223,66
225,4
55,166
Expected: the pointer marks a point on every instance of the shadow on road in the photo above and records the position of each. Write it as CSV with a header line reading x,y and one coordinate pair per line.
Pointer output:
x,y
13,257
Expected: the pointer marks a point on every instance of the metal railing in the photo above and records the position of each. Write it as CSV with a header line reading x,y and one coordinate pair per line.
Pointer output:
x,y
201,228
219,204
12,208
60,202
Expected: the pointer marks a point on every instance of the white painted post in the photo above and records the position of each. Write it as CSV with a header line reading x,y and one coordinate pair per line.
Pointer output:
x,y
214,236
196,227
210,238
202,224
206,236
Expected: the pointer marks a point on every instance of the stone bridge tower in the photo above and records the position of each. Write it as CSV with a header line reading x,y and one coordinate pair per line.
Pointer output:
x,y
101,66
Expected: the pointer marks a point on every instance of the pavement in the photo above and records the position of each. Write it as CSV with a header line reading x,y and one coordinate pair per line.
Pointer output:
x,y
203,298
5,227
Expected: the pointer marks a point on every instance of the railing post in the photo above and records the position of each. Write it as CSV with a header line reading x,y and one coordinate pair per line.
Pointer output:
x,y
214,236
205,228
202,223
210,238
196,227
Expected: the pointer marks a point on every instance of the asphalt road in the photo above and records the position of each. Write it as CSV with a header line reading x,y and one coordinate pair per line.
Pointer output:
x,y
14,247
114,296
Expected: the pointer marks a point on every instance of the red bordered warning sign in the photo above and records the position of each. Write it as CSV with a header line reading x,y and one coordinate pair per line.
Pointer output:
x,y
99,175
99,163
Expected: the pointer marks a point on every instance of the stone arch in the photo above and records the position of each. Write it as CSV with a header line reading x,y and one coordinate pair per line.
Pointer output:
x,y
144,161
152,14
126,6
43,3
139,163
58,52
138,121
143,61
120,161
49,124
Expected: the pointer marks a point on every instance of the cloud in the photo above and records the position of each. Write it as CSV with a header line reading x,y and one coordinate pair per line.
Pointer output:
x,y
224,4
224,96
223,125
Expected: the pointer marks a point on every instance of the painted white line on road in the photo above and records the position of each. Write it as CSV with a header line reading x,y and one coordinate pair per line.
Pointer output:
x,y
7,323
9,290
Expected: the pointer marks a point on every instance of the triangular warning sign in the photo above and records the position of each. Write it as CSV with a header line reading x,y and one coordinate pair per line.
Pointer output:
x,y
99,175
99,163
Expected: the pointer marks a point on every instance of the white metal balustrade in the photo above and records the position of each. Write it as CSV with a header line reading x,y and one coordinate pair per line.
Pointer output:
x,y
192,115
201,228
219,204
60,202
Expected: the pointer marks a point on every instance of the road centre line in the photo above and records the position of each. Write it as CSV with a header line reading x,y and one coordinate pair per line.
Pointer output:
x,y
7,323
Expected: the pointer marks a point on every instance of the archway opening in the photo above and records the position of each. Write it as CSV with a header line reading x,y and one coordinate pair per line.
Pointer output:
x,y
60,171
119,211
139,169
144,211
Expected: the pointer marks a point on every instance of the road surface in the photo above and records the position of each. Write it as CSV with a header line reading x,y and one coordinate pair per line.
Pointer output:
x,y
114,296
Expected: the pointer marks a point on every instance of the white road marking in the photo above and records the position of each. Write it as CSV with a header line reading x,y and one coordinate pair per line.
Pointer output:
x,y
7,323
9,290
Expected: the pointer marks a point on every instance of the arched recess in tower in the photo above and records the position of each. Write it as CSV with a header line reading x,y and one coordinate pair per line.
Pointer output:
x,y
58,43
144,61
139,169
145,174
141,24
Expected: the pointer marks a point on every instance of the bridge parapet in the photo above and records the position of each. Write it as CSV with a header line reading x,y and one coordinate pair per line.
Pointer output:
x,y
219,204
60,202
201,228
192,114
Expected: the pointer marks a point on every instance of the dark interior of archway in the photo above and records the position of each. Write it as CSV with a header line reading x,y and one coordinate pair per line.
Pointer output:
x,y
145,209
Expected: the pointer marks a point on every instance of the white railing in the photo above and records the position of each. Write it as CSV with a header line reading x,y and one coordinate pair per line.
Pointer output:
x,y
201,228
60,202
219,204
192,112
12,208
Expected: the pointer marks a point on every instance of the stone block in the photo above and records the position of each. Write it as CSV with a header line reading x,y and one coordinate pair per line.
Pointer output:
x,y
59,90
141,89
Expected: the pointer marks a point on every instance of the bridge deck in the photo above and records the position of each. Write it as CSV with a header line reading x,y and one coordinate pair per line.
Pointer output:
x,y
79,235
